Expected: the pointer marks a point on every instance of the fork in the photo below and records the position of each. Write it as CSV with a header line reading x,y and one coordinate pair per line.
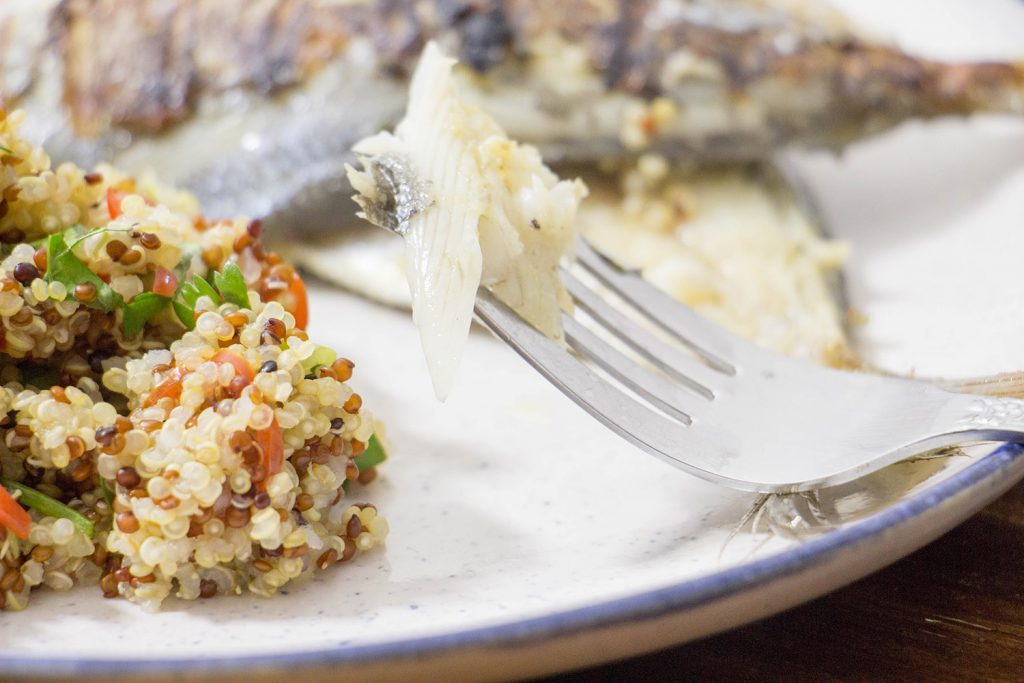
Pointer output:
x,y
708,402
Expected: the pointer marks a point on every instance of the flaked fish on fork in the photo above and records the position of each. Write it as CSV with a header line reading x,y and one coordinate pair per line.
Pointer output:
x,y
486,226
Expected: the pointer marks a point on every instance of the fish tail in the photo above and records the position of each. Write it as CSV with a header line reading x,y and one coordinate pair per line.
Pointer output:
x,y
965,88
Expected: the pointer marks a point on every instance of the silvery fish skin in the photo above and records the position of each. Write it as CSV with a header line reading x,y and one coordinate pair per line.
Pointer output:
x,y
255,106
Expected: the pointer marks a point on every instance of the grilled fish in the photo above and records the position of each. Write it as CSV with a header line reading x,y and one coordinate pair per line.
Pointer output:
x,y
255,105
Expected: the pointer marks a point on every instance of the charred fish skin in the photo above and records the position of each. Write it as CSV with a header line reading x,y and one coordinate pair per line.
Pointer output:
x,y
729,80
145,65
255,105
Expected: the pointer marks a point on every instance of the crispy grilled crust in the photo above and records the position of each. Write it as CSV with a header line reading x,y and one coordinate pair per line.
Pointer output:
x,y
146,64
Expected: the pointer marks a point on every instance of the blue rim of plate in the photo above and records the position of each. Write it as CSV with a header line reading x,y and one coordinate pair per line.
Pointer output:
x,y
652,604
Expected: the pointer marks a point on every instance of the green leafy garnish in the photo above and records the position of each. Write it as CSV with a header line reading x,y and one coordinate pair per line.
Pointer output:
x,y
189,293
139,310
185,313
188,253
81,234
108,495
69,233
231,285
372,456
6,150
321,356
39,376
206,289
64,267
49,507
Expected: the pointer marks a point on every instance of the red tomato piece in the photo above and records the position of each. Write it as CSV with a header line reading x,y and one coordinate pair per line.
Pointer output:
x,y
13,516
114,198
271,443
299,302
242,367
165,282
293,297
169,387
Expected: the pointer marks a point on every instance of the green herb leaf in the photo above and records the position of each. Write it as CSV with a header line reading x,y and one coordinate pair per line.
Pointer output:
x,y
6,150
80,234
204,288
39,376
139,310
49,507
64,267
231,285
108,495
73,234
185,313
188,293
188,252
372,456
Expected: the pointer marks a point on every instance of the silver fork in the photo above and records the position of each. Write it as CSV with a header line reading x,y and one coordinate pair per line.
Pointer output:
x,y
715,405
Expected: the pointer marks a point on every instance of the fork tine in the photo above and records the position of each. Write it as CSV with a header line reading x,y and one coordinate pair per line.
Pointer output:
x,y
689,371
678,320
655,389
655,433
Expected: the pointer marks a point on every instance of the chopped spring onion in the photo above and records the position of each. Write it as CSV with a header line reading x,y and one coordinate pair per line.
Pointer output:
x,y
321,356
108,495
13,517
49,507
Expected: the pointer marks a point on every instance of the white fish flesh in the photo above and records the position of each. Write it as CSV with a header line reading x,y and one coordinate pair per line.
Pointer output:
x,y
475,208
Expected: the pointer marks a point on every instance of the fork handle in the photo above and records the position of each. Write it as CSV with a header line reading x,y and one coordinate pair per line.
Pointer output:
x,y
965,418
997,417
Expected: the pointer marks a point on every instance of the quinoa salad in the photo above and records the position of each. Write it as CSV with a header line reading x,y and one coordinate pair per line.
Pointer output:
x,y
168,427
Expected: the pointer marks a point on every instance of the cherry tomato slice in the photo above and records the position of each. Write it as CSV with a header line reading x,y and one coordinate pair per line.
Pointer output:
x,y
299,302
271,443
13,516
114,198
169,387
242,367
294,299
165,282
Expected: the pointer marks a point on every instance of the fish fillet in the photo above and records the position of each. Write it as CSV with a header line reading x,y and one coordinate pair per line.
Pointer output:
x,y
254,106
474,208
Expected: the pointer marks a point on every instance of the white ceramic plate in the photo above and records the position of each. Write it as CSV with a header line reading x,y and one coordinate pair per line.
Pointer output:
x,y
526,539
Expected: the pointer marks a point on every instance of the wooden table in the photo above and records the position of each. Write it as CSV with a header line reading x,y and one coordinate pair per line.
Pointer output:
x,y
953,610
